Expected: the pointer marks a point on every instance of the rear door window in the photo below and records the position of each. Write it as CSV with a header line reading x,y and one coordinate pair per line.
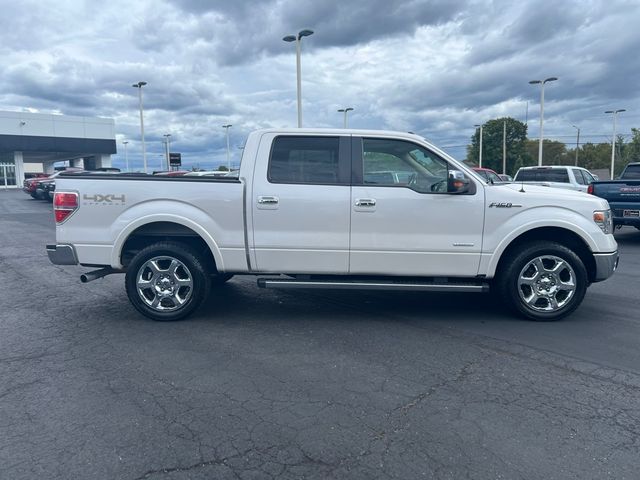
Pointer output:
x,y
559,175
579,177
307,160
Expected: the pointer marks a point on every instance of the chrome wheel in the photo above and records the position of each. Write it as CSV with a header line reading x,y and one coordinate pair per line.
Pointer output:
x,y
164,283
546,283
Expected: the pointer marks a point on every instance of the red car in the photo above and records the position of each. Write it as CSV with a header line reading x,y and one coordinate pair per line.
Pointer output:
x,y
29,185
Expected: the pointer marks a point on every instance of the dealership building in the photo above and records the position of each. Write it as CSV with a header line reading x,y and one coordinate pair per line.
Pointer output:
x,y
34,142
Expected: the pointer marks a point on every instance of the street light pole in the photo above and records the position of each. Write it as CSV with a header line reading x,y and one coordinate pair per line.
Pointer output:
x,y
139,86
126,157
577,143
542,82
297,38
613,140
167,146
345,111
227,127
504,147
480,155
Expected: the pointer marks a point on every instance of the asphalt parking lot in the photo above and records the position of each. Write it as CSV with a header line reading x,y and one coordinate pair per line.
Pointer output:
x,y
263,384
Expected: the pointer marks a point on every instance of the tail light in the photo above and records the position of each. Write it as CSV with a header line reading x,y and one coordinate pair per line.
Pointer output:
x,y
590,189
64,204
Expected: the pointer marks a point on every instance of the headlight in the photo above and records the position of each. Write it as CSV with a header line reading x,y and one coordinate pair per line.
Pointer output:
x,y
604,220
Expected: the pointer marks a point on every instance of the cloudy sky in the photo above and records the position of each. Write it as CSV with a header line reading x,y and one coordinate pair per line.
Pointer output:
x,y
434,67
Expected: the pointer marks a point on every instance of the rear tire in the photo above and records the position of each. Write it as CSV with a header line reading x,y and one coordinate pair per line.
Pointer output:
x,y
167,281
543,281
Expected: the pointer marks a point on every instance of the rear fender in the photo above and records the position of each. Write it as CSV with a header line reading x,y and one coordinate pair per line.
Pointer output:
x,y
174,212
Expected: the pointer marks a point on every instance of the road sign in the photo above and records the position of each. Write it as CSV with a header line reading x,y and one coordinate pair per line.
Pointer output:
x,y
175,159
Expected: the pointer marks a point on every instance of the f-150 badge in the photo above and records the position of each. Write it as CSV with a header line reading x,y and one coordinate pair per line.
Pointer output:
x,y
503,205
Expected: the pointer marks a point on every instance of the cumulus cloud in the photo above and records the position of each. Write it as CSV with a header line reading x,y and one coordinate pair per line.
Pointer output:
x,y
435,67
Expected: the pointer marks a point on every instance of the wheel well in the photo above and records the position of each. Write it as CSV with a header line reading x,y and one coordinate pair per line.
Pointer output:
x,y
163,231
559,235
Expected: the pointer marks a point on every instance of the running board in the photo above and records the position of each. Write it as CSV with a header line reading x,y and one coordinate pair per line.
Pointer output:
x,y
370,285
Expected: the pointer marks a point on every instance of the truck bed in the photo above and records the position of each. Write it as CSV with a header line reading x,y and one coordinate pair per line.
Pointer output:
x,y
112,206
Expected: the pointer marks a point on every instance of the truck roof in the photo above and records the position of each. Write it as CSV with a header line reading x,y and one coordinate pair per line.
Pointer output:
x,y
340,131
547,167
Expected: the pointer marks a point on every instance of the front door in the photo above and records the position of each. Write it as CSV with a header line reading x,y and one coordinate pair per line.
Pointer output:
x,y
403,219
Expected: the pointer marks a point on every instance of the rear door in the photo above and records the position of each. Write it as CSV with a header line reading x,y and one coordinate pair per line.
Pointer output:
x,y
403,221
300,204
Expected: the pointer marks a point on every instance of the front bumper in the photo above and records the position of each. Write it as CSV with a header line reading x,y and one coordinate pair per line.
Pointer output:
x,y
606,264
62,254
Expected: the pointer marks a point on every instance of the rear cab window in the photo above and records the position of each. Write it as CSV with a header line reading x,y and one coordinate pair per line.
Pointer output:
x,y
632,172
558,175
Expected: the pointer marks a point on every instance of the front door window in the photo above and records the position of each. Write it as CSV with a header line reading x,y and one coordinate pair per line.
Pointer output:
x,y
396,163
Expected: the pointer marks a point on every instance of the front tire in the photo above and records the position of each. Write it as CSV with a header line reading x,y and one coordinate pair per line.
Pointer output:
x,y
543,281
167,281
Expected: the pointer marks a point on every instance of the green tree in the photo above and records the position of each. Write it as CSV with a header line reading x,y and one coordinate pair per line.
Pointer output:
x,y
632,149
593,156
517,155
553,152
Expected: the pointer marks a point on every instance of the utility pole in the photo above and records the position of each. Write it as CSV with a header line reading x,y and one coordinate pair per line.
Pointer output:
x,y
126,157
577,143
139,86
345,111
504,147
480,151
167,146
227,127
298,38
613,140
542,83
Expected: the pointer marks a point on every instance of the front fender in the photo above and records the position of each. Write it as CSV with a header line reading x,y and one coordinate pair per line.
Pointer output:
x,y
499,235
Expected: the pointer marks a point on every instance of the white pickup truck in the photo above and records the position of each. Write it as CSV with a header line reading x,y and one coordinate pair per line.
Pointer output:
x,y
316,208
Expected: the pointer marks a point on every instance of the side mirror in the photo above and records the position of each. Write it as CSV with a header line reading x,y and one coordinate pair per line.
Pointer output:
x,y
457,183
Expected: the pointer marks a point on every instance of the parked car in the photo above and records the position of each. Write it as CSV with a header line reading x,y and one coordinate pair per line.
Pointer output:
x,y
29,184
490,176
45,189
505,178
302,216
557,176
623,195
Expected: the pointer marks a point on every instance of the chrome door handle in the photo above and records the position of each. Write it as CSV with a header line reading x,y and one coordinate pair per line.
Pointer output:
x,y
365,202
268,200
